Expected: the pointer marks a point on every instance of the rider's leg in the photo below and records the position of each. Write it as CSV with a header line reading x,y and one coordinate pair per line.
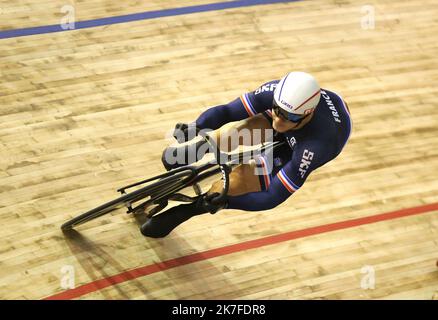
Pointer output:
x,y
251,131
242,180
248,132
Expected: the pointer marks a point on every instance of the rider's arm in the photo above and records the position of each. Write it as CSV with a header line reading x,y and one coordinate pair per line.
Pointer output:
x,y
247,105
288,180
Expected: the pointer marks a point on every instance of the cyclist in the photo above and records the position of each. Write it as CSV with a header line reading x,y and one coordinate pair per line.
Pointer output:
x,y
315,122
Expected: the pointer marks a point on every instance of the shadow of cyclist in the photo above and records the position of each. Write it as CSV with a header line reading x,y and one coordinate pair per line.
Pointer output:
x,y
185,278
93,258
200,277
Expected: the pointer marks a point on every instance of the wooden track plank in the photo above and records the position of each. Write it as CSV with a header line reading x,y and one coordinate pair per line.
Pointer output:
x,y
85,112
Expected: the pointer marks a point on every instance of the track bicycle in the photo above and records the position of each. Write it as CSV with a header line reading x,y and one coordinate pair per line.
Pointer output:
x,y
161,189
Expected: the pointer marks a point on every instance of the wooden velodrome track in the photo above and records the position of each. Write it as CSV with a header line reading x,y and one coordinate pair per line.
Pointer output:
x,y
84,112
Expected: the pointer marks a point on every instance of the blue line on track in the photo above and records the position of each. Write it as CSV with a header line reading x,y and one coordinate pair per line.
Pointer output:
x,y
138,16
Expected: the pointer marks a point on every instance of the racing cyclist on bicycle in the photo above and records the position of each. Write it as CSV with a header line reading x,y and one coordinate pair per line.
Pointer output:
x,y
315,122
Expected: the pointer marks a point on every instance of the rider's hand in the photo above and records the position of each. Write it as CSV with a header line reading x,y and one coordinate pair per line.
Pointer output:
x,y
184,132
209,206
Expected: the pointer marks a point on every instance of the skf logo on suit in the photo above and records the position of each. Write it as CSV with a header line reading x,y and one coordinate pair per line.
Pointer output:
x,y
266,87
305,162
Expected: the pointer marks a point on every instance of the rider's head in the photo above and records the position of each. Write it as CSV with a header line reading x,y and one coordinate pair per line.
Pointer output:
x,y
295,98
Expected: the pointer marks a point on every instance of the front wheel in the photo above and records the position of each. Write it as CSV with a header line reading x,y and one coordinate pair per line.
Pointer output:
x,y
96,212
157,190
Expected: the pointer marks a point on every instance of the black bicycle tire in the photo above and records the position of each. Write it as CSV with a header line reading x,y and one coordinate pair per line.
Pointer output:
x,y
118,203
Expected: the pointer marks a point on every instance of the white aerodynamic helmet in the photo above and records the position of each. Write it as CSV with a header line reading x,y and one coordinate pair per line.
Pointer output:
x,y
296,95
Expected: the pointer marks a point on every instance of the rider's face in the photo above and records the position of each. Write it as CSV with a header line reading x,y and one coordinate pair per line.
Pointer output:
x,y
283,121
281,125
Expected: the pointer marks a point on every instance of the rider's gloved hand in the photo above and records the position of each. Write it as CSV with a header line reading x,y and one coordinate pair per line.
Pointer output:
x,y
184,132
206,202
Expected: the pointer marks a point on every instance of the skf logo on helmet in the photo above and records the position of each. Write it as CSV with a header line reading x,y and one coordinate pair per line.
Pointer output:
x,y
266,88
305,162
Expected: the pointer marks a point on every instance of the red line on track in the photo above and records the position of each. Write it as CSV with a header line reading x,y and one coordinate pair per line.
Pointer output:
x,y
251,244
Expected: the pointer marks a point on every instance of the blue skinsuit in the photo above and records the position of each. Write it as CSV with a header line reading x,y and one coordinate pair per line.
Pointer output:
x,y
316,143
